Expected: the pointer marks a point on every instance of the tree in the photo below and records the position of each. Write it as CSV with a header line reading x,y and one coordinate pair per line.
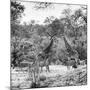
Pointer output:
x,y
49,20
42,5
16,52
16,13
16,10
75,27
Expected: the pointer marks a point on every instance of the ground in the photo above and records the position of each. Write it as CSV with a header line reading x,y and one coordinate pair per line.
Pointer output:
x,y
58,76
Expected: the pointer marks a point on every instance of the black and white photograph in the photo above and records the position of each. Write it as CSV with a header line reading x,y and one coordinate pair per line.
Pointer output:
x,y
48,44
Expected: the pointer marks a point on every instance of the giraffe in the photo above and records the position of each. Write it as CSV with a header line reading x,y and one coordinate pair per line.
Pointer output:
x,y
72,54
44,62
44,55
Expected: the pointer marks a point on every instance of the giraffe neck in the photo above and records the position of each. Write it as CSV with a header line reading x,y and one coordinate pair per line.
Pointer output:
x,y
64,40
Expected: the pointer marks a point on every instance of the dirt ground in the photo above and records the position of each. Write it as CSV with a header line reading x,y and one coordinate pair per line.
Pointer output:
x,y
58,76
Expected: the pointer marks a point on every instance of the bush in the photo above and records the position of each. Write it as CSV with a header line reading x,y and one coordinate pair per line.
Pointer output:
x,y
42,78
82,53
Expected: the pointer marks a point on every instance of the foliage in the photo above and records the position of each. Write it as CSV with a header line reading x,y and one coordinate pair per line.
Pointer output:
x,y
42,5
57,28
16,10
82,52
28,41
75,28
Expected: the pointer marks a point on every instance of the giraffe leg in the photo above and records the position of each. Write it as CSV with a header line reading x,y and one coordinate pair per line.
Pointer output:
x,y
41,69
68,67
47,68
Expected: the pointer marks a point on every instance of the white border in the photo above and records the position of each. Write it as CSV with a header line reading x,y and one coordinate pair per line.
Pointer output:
x,y
5,43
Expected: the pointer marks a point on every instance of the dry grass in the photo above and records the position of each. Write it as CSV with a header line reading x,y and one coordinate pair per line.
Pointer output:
x,y
58,76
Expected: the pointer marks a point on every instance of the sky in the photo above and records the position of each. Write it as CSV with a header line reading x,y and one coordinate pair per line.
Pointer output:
x,y
30,13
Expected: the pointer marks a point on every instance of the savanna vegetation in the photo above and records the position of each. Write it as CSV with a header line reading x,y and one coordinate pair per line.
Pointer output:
x,y
59,41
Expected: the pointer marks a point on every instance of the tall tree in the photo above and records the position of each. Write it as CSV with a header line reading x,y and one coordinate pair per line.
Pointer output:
x,y
76,28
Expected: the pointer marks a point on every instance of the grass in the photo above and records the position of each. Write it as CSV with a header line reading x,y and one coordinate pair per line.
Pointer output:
x,y
58,76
